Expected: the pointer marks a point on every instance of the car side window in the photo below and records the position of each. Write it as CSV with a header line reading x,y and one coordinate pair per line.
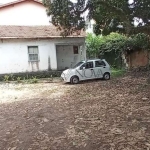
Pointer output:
x,y
82,66
99,63
87,65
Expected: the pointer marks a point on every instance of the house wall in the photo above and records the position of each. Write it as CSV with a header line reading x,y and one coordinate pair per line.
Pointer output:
x,y
14,54
138,59
25,13
66,58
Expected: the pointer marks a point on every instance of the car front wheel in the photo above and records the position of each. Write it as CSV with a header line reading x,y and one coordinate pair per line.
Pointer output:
x,y
74,80
106,76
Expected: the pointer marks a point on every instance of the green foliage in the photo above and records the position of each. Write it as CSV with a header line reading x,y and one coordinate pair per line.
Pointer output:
x,y
101,44
140,41
109,15
33,80
93,44
12,78
6,78
111,46
115,42
117,72
19,79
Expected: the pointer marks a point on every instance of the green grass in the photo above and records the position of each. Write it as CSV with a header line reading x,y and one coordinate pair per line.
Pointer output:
x,y
117,72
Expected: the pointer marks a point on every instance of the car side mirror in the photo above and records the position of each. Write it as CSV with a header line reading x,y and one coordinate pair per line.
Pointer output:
x,y
81,68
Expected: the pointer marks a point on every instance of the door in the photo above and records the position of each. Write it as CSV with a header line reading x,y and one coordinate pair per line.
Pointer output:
x,y
100,68
87,71
65,56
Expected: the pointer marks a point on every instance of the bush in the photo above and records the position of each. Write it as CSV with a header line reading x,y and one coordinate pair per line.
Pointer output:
x,y
6,78
19,79
33,80
112,46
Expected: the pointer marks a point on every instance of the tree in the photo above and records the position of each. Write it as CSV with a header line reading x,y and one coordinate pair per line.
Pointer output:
x,y
108,14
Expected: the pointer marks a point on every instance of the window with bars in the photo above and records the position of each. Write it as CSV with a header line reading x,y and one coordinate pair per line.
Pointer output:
x,y
33,53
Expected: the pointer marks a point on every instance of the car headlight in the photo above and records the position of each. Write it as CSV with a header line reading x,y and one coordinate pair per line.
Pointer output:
x,y
62,75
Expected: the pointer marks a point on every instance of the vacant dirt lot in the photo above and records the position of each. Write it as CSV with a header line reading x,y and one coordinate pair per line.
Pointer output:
x,y
95,115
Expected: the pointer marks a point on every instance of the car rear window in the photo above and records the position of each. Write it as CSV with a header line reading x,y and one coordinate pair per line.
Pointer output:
x,y
99,63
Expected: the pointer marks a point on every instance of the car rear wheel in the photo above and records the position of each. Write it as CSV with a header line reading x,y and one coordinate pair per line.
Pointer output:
x,y
106,76
74,80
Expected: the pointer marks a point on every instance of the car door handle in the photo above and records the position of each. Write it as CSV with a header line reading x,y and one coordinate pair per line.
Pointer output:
x,y
91,69
104,67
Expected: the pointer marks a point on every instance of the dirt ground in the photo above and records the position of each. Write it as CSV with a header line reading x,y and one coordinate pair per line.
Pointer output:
x,y
93,115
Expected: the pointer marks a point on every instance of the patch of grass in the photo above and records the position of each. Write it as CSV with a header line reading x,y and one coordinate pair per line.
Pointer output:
x,y
117,72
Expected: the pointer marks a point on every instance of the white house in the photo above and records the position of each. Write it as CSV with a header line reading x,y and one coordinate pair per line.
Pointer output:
x,y
23,13
28,43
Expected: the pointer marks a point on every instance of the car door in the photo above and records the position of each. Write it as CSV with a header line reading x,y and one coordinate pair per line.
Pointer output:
x,y
87,70
99,68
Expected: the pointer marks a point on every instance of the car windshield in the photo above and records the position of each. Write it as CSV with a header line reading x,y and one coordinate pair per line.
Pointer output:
x,y
78,64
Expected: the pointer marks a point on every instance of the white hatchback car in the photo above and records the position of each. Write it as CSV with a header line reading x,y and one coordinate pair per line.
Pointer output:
x,y
85,70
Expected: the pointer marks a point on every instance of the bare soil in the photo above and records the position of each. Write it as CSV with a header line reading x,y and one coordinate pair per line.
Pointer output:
x,y
93,115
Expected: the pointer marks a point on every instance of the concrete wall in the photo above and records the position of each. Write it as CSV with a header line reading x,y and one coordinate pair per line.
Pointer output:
x,y
25,13
138,59
14,54
66,57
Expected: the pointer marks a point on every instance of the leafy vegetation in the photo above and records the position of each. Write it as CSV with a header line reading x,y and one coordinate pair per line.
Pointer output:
x,y
19,79
6,78
110,15
32,80
117,72
115,42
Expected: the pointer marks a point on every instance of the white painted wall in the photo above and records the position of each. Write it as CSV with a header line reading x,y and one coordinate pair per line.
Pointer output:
x,y
65,53
25,13
14,54
66,57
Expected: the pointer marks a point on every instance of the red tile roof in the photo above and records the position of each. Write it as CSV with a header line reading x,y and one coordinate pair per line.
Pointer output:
x,y
17,2
31,32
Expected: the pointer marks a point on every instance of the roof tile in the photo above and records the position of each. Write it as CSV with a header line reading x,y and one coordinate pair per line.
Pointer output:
x,y
33,32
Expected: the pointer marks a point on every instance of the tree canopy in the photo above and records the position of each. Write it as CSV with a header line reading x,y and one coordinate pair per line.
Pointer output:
x,y
108,14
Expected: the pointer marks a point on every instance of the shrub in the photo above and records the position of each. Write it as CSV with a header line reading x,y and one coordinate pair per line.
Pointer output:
x,y
19,79
33,80
6,78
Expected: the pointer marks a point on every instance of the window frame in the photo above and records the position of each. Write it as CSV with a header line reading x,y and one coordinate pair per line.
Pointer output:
x,y
84,65
75,50
29,60
104,64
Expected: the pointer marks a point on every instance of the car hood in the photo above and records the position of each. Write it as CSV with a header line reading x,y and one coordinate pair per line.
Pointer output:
x,y
67,71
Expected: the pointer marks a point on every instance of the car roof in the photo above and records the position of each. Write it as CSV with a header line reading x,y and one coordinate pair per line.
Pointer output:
x,y
89,60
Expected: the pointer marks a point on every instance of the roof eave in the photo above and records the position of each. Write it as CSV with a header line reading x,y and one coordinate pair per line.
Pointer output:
x,y
17,2
52,37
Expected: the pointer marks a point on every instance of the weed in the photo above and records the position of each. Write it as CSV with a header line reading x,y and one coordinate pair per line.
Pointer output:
x,y
12,77
19,79
33,80
117,72
6,78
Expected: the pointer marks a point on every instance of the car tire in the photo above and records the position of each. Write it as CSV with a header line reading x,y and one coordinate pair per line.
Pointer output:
x,y
106,76
75,80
